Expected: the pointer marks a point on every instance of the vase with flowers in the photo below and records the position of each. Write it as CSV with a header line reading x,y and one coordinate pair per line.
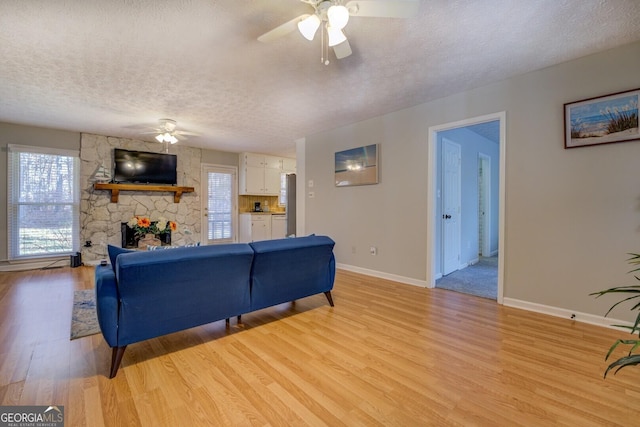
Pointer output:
x,y
149,232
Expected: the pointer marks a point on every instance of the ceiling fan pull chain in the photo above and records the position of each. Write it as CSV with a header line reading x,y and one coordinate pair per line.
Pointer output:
x,y
325,47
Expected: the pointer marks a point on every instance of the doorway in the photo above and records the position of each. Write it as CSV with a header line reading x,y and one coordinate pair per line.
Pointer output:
x,y
219,204
481,219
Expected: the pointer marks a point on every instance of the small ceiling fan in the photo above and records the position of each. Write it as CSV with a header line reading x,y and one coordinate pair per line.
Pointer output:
x,y
331,16
167,132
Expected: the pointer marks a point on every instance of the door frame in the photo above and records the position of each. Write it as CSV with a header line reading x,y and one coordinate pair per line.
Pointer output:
x,y
432,222
485,219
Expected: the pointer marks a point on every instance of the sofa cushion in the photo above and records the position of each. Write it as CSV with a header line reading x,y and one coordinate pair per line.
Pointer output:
x,y
113,252
287,269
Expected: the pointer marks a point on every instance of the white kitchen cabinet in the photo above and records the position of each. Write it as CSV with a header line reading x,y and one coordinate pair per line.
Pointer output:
x,y
278,226
260,174
254,227
289,165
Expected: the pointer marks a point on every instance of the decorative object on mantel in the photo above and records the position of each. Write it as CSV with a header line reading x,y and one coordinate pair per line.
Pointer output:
x,y
629,293
101,174
602,120
116,188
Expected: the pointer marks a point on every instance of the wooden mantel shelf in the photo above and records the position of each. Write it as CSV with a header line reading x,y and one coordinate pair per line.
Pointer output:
x,y
116,188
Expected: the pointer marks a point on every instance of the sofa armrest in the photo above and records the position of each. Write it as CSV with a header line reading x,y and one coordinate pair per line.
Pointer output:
x,y
107,303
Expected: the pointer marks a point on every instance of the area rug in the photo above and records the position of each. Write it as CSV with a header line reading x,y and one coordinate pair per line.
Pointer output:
x,y
84,321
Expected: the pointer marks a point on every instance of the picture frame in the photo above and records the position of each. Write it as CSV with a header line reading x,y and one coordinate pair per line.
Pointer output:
x,y
357,166
602,120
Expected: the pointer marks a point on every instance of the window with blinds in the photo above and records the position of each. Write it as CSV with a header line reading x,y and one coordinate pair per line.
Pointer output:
x,y
43,202
220,202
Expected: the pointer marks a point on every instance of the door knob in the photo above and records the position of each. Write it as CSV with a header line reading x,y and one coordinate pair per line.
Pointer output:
x,y
446,216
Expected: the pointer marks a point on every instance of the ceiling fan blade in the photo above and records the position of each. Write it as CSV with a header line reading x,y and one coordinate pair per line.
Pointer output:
x,y
282,30
342,50
383,8
185,133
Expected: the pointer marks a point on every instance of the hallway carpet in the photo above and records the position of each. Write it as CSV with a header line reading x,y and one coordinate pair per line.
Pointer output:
x,y
480,279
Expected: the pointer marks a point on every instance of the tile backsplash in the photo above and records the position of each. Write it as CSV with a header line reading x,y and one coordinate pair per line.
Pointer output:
x,y
246,203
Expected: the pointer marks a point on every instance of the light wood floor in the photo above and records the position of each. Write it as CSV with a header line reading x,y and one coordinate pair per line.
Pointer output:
x,y
386,354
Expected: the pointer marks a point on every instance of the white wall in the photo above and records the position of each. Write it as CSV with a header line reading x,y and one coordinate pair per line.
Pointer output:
x,y
571,215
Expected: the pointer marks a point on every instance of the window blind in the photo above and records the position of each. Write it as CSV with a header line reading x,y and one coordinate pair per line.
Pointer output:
x,y
43,201
220,205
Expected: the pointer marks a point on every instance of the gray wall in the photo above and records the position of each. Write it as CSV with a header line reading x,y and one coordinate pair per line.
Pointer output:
x,y
30,135
571,215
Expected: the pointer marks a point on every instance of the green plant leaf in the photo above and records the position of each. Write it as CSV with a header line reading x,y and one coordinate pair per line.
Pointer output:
x,y
623,362
618,342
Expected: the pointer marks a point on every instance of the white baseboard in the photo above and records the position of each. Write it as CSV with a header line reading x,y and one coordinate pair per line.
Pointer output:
x,y
567,314
34,264
382,275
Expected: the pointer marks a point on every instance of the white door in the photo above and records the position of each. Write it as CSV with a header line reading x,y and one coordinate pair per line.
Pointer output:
x,y
451,188
219,187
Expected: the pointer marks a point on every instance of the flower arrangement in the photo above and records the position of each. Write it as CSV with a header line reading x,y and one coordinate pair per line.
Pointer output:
x,y
143,225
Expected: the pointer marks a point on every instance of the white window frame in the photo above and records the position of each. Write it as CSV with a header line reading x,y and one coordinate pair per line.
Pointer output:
x,y
13,201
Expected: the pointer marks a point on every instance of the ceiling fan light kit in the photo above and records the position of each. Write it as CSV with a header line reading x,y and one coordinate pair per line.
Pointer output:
x,y
166,137
333,15
336,36
338,16
309,26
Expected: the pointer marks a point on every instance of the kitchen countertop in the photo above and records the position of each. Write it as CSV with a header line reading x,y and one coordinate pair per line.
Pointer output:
x,y
264,213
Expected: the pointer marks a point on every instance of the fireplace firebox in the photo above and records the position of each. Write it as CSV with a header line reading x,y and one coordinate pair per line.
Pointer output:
x,y
129,239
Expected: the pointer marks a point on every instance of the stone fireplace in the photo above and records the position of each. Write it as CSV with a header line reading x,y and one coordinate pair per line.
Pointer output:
x,y
102,221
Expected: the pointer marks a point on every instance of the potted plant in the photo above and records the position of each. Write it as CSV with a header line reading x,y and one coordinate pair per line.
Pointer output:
x,y
630,293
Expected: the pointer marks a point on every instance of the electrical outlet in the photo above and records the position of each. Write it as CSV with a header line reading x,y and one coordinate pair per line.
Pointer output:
x,y
312,194
310,183
373,250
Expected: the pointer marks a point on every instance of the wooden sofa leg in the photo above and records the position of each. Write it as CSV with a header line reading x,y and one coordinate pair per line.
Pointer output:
x,y
328,295
116,358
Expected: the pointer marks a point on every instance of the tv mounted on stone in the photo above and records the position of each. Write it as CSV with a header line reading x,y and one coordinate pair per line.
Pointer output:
x,y
144,168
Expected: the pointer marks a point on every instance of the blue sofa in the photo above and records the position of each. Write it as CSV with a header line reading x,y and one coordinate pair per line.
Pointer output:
x,y
148,294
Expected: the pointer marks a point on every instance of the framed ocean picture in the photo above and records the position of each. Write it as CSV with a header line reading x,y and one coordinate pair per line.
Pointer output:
x,y
357,166
602,120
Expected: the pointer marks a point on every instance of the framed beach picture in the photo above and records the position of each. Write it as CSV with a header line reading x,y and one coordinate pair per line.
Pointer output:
x,y
357,166
602,120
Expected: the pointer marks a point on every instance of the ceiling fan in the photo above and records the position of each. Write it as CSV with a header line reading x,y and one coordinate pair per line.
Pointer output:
x,y
167,132
331,16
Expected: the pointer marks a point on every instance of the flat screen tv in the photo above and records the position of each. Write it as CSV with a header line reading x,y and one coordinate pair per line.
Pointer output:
x,y
145,168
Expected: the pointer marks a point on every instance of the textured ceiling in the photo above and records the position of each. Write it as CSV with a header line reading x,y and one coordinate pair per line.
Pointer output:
x,y
114,67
